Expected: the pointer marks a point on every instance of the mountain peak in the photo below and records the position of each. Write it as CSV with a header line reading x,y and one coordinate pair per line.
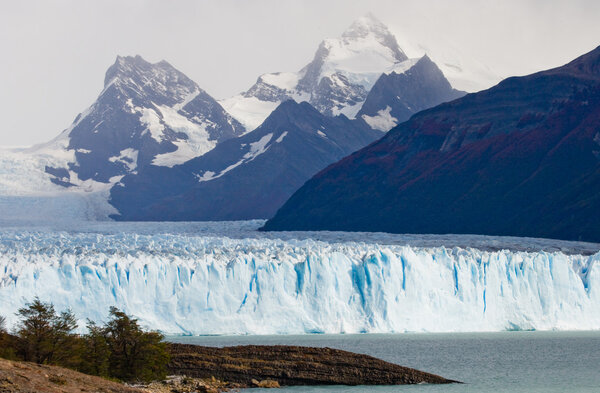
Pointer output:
x,y
122,60
161,81
290,110
364,25
127,64
368,26
138,69
124,65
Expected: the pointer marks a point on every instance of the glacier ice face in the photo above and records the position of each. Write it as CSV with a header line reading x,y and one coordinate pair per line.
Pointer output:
x,y
183,280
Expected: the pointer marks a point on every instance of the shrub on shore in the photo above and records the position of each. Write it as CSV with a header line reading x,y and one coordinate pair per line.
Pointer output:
x,y
45,337
119,349
6,344
134,354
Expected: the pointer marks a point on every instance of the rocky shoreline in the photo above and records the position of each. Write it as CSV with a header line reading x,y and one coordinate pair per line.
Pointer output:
x,y
291,365
196,368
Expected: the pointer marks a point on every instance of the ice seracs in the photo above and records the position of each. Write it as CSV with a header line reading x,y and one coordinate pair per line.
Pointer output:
x,y
213,284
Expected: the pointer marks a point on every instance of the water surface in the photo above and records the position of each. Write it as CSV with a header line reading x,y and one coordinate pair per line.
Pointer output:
x,y
486,362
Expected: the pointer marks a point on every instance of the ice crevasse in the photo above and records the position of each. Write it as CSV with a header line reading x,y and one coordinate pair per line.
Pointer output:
x,y
218,285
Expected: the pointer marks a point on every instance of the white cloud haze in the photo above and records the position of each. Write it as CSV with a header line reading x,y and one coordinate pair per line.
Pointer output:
x,y
55,53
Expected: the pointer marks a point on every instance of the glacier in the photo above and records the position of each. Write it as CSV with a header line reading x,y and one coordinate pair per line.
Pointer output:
x,y
228,278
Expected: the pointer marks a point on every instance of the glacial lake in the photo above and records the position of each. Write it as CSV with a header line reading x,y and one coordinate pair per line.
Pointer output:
x,y
485,362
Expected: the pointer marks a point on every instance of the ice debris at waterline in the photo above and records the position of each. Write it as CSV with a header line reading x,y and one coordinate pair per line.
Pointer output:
x,y
184,284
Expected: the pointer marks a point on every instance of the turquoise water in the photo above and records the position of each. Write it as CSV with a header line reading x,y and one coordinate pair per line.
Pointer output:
x,y
485,362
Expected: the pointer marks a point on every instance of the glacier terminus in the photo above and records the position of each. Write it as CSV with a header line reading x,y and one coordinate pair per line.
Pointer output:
x,y
228,278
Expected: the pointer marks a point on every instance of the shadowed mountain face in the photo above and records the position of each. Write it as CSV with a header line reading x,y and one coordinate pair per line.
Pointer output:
x,y
246,177
146,114
522,158
395,97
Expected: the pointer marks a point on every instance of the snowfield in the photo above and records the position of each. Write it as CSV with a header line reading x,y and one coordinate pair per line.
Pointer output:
x,y
28,195
227,278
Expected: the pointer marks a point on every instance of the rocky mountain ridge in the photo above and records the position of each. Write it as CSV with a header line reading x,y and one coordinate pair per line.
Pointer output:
x,y
519,159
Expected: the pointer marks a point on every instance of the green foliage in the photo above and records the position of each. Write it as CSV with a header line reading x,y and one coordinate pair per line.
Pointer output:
x,y
135,355
46,337
6,341
119,349
96,355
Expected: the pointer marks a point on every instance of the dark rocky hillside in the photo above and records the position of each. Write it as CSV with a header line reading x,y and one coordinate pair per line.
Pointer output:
x,y
522,159
246,177
401,95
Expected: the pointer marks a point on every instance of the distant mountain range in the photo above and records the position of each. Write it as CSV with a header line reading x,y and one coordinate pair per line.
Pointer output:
x,y
252,176
521,159
158,147
340,77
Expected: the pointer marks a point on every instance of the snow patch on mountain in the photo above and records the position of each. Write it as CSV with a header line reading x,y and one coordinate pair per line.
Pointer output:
x,y
259,147
283,80
255,149
196,142
128,157
250,111
280,139
153,123
401,68
190,97
344,70
384,121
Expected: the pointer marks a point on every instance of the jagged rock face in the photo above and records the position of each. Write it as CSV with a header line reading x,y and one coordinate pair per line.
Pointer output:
x,y
146,114
334,93
397,96
519,159
265,91
247,177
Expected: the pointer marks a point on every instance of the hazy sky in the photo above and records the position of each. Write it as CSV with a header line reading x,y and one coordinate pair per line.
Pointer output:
x,y
55,52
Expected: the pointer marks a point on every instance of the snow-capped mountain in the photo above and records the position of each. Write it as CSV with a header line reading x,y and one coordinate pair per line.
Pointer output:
x,y
146,114
336,81
247,177
151,116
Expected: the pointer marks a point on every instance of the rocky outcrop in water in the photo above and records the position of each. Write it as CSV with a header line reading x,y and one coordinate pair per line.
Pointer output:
x,y
291,365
